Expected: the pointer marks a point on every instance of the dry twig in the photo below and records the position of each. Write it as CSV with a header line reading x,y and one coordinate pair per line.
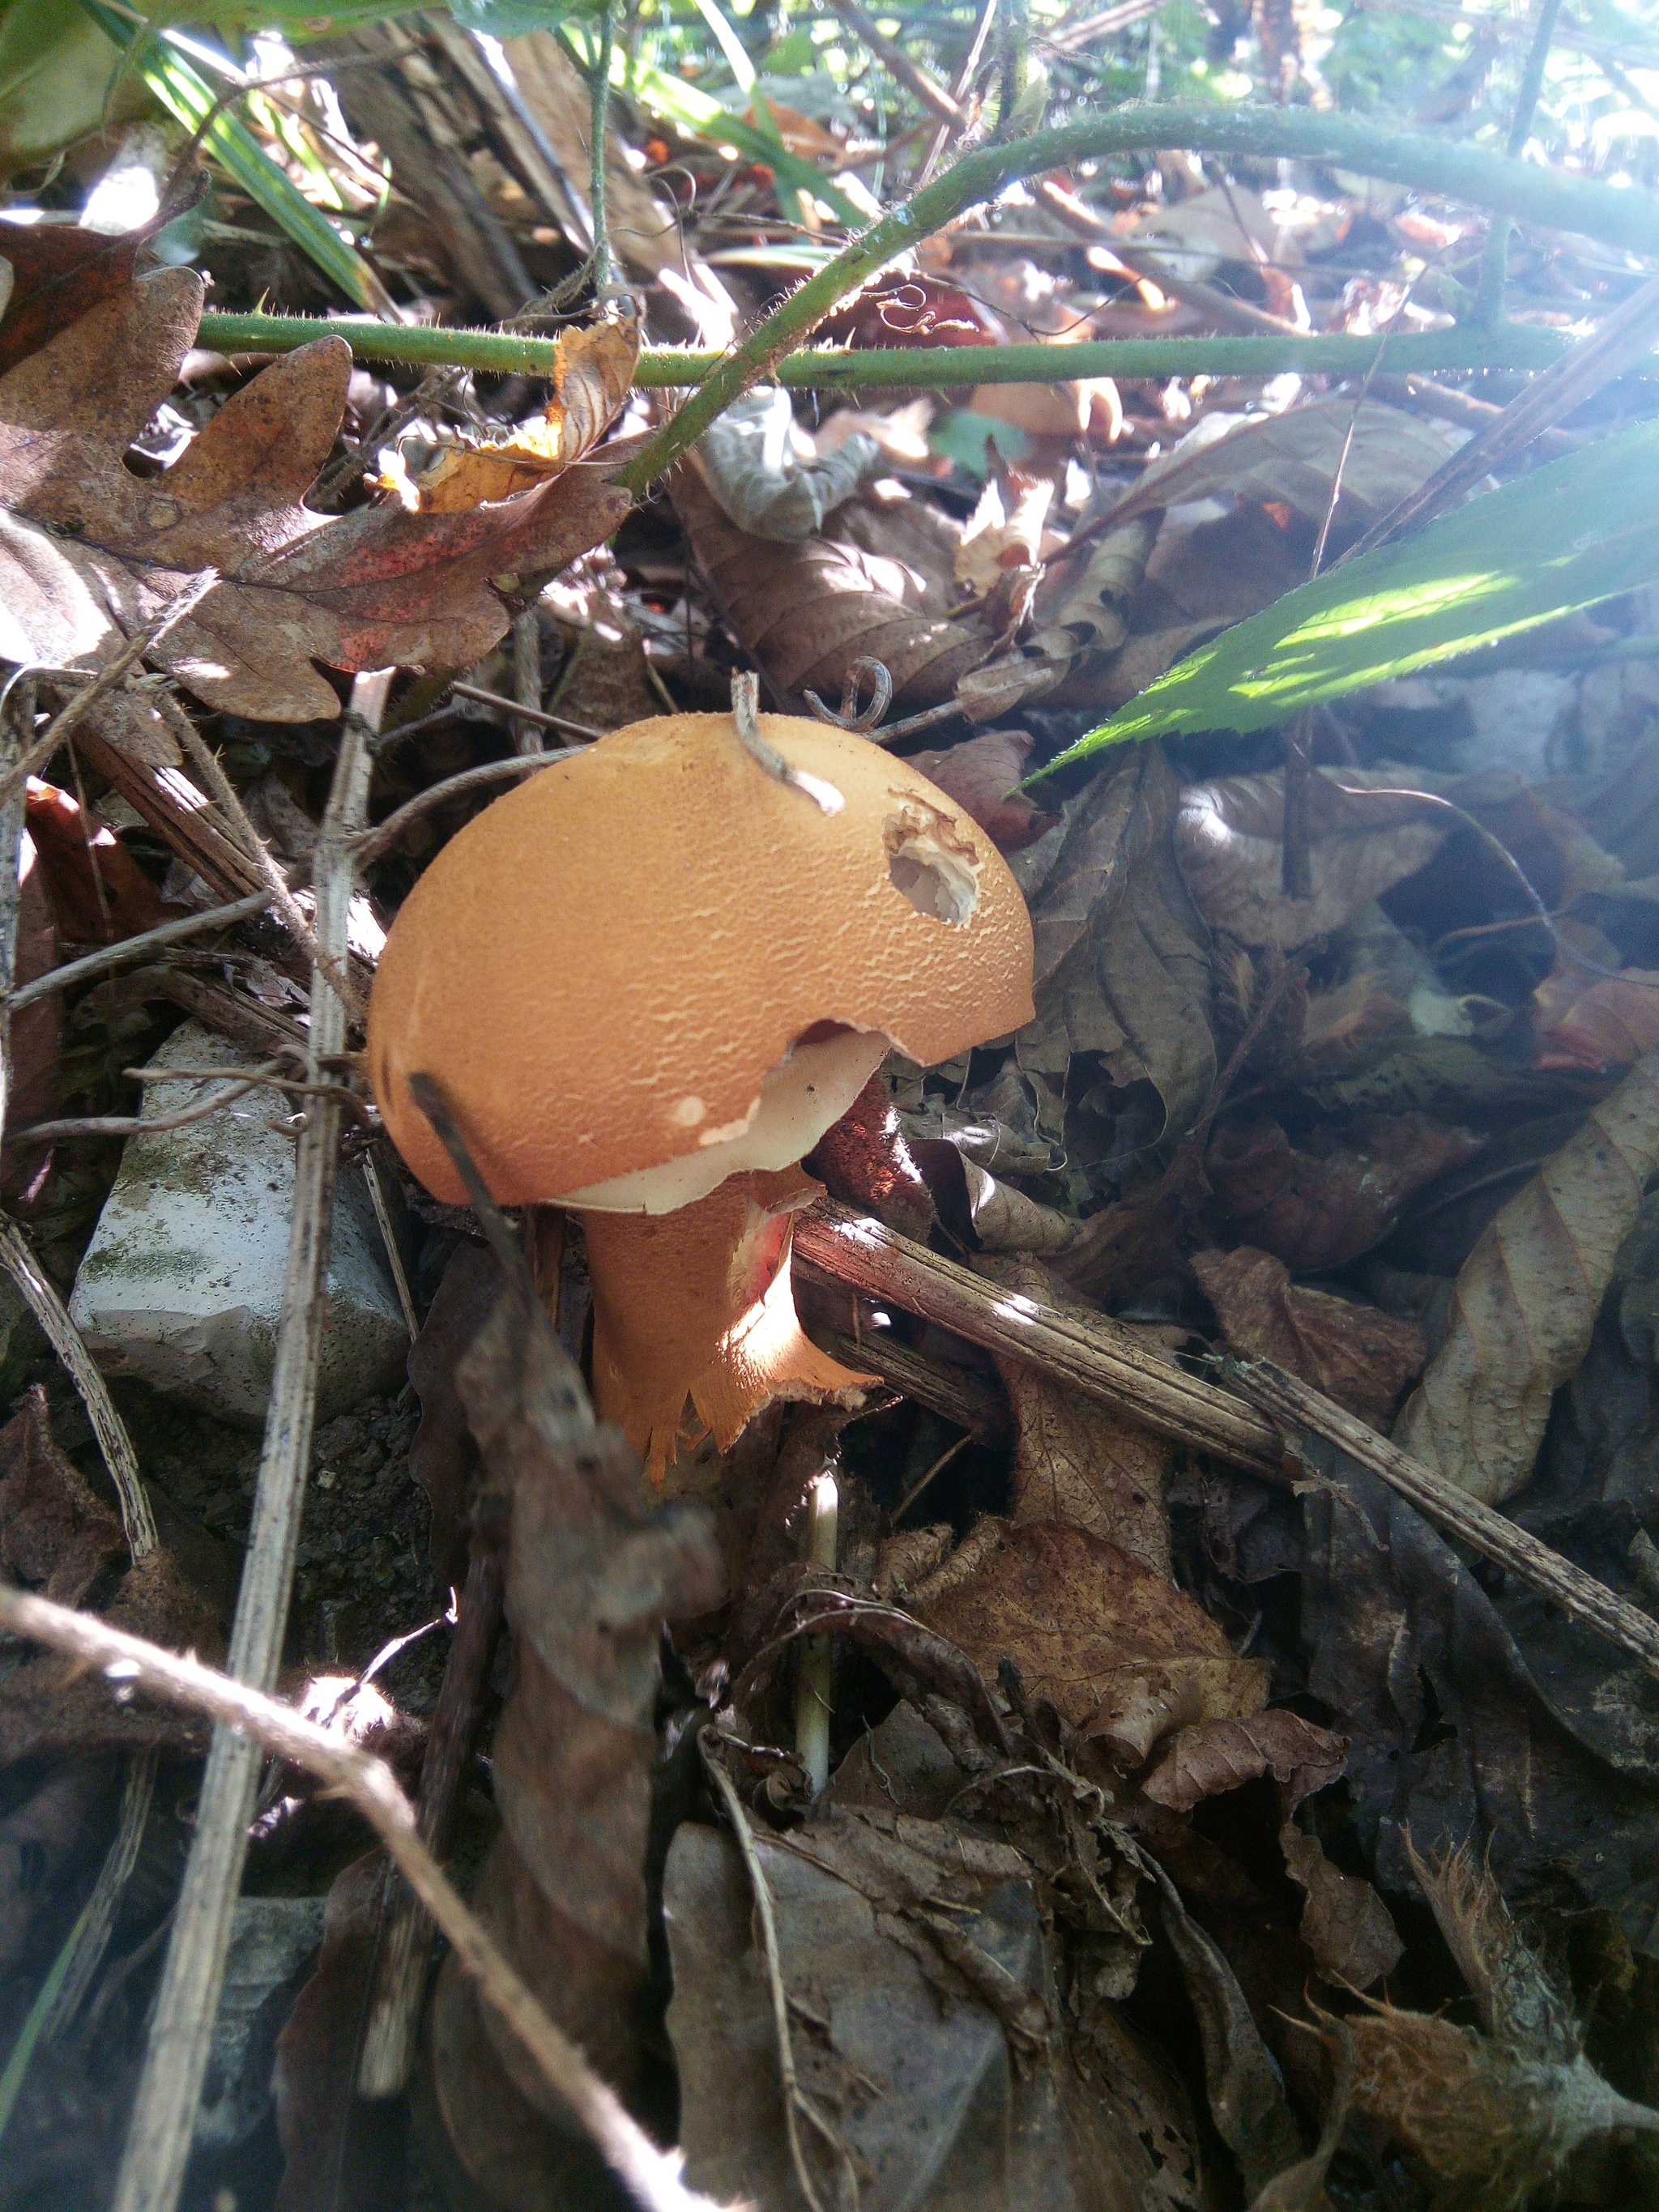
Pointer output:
x,y
245,1716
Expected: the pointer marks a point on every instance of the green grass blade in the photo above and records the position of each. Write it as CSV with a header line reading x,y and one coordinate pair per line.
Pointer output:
x,y
187,97
1580,530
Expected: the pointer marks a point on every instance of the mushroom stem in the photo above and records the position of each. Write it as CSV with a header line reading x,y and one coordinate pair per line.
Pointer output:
x,y
696,1304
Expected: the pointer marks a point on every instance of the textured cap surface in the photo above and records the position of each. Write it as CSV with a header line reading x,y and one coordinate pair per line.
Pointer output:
x,y
601,969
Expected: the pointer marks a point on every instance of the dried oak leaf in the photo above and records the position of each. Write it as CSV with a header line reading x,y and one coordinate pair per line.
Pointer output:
x,y
1358,1355
1229,837
1293,459
1122,1655
1597,1022
593,375
1526,1298
1323,1203
808,610
1076,1460
89,552
343,2153
1212,1757
59,271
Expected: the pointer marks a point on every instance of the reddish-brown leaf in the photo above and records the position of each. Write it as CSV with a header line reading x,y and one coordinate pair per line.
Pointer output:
x,y
98,893
59,272
1361,1357
1598,1022
1323,1203
1216,1756
981,775
54,1533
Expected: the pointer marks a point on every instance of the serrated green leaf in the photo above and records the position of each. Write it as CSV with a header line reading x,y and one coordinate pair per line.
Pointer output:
x,y
1582,530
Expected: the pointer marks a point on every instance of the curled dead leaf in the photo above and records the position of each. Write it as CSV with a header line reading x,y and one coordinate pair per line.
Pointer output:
x,y
1122,1655
592,374
1580,1019
980,773
1215,1756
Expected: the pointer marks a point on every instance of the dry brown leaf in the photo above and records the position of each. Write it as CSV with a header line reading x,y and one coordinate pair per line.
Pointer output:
x,y
59,271
1293,459
90,552
1580,1019
1074,1460
1136,990
591,1573
1122,1655
1321,1204
1085,616
864,1160
593,375
54,1533
1528,1296
806,611
980,775
98,891
1230,838
1361,1357
1344,1923
343,2153
1216,1756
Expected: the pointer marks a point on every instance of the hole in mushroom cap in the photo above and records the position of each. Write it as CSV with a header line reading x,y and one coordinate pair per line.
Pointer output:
x,y
930,862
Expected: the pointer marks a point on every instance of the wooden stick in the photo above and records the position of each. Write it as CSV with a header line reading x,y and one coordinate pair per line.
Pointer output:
x,y
1088,1352
651,2176
1296,1405
170,2086
138,948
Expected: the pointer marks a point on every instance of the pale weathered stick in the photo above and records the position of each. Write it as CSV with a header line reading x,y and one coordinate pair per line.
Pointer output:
x,y
244,1715
170,2086
1094,1355
1297,1406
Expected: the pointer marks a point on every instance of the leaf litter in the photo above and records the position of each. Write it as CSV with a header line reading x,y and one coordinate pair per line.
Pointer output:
x,y
1196,1836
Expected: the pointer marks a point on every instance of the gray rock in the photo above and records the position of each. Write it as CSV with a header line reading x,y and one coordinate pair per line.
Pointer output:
x,y
182,1283
273,1941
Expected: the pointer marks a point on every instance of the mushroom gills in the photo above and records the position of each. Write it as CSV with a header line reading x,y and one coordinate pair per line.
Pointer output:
x,y
810,1087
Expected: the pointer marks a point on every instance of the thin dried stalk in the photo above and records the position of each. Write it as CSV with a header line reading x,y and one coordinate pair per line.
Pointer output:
x,y
371,843
170,2086
405,1956
797,2104
100,683
1295,1405
138,948
652,2176
49,1310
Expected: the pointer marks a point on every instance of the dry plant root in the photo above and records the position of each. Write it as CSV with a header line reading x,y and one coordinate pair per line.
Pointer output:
x,y
698,1305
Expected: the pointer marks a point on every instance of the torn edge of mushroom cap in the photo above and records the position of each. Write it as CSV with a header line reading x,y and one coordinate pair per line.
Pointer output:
x,y
806,1093
696,1306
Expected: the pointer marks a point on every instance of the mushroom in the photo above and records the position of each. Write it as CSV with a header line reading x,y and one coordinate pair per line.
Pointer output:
x,y
648,980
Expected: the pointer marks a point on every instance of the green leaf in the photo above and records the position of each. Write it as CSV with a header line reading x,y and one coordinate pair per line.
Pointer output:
x,y
189,99
1582,530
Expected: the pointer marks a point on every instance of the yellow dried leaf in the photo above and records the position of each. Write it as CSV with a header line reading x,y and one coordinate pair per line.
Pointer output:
x,y
593,373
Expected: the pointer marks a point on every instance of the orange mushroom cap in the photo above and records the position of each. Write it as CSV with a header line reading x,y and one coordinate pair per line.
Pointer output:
x,y
619,965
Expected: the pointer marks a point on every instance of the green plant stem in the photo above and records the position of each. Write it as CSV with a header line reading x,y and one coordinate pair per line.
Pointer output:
x,y
1517,346
599,86
1495,261
1542,196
